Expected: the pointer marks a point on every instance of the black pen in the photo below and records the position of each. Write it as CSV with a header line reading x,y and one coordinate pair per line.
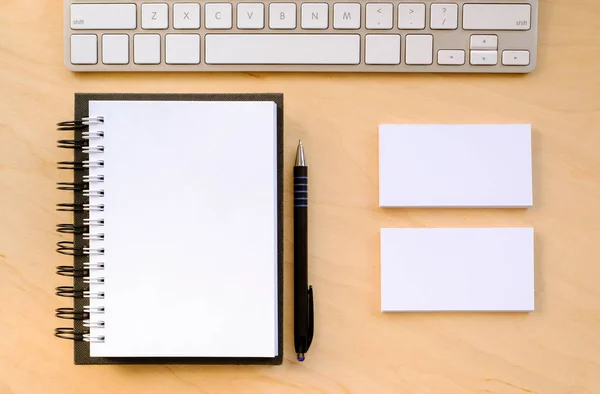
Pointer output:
x,y
303,294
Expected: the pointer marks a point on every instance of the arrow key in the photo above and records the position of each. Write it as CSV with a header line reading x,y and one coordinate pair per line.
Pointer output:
x,y
484,58
379,16
481,42
451,57
516,58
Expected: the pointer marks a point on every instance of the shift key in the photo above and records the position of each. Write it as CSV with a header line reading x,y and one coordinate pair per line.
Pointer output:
x,y
497,17
103,16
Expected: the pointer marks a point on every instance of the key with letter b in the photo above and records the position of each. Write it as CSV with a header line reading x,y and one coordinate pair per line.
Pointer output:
x,y
282,15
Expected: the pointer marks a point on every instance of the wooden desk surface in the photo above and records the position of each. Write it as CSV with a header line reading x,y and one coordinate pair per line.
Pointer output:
x,y
357,349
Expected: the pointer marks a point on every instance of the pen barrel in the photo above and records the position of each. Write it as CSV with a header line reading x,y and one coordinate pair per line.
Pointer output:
x,y
300,258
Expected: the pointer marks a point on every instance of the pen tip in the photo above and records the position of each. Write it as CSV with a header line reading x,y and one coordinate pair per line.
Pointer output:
x,y
300,357
300,160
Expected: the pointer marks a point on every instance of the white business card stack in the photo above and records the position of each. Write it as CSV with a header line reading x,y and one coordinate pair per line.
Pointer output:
x,y
455,166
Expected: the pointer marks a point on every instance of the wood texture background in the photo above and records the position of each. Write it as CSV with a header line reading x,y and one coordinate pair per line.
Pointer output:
x,y
357,349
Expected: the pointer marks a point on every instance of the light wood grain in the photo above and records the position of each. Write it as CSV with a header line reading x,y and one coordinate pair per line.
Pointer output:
x,y
357,349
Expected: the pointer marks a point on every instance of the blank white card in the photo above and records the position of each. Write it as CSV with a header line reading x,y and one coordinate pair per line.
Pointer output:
x,y
455,166
190,247
460,269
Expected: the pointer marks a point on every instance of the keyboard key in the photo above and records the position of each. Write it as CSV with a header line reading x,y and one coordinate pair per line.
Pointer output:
x,y
186,16
84,49
155,16
444,16
450,57
315,16
282,49
115,49
484,58
182,49
346,16
516,58
250,16
103,16
497,17
382,49
218,15
484,42
411,16
379,16
146,49
419,49
282,15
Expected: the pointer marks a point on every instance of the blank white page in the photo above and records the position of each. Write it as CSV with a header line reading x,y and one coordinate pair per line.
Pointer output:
x,y
190,229
455,166
461,269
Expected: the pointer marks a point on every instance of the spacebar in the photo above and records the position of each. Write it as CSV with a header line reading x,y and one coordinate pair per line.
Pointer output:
x,y
282,49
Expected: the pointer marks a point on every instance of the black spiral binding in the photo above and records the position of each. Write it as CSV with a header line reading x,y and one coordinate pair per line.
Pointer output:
x,y
79,249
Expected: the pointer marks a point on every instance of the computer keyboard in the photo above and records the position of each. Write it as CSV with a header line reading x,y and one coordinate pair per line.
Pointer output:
x,y
486,36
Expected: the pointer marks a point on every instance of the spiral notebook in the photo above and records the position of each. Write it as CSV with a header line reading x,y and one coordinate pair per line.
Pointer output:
x,y
178,229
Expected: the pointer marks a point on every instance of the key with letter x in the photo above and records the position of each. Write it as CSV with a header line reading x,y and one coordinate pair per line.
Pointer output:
x,y
186,16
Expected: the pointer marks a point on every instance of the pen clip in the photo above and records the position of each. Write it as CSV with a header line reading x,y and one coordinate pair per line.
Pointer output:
x,y
311,317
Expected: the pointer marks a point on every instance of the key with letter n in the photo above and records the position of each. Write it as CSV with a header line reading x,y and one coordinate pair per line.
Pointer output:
x,y
315,16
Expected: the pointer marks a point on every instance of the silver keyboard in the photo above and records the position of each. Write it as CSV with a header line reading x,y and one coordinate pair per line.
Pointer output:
x,y
465,36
